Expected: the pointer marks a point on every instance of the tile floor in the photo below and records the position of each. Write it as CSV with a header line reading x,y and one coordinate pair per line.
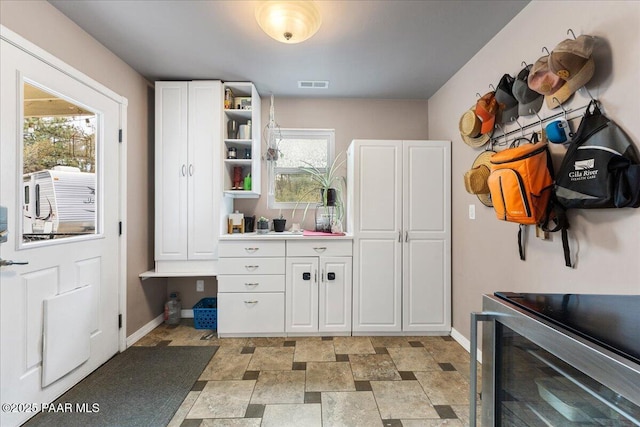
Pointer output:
x,y
323,381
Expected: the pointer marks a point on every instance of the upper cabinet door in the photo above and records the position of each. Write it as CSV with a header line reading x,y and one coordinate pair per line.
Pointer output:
x,y
203,169
378,189
171,170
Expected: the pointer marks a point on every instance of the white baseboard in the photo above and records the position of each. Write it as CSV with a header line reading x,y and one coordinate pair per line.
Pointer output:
x,y
134,337
186,314
464,342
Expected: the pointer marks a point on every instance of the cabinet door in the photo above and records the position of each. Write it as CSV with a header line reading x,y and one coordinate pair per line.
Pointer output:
x,y
426,238
377,192
334,305
302,294
171,171
203,169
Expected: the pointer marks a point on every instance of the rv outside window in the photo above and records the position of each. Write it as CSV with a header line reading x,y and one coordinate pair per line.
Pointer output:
x,y
37,200
26,195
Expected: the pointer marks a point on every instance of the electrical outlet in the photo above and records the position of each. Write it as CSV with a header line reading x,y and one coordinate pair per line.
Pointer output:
x,y
472,211
199,285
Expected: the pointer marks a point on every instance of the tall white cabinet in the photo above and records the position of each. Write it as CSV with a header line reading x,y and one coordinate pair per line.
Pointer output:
x,y
188,189
400,215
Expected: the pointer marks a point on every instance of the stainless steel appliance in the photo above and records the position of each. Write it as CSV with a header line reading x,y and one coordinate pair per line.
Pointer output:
x,y
558,360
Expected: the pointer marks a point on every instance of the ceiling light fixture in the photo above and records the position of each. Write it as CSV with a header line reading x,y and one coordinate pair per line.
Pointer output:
x,y
288,21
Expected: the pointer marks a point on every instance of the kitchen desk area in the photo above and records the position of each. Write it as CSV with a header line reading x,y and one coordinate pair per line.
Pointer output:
x,y
278,284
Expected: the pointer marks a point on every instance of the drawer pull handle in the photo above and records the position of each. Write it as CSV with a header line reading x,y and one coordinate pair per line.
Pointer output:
x,y
320,249
251,250
251,267
251,284
251,302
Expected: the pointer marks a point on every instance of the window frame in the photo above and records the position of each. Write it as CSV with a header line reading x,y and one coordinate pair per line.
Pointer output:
x,y
301,133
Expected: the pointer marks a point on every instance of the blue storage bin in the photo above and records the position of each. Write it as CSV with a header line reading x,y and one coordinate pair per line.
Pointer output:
x,y
205,314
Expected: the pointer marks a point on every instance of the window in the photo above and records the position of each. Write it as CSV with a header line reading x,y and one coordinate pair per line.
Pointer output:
x,y
298,148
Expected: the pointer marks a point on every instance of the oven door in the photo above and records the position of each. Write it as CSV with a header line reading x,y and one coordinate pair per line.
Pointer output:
x,y
536,374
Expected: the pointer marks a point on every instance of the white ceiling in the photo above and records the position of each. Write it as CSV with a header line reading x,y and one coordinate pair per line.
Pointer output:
x,y
393,49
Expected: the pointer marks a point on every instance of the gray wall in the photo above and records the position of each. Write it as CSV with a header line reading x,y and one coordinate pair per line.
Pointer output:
x,y
485,255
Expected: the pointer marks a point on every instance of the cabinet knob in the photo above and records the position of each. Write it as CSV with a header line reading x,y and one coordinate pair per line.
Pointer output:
x,y
320,249
251,250
306,276
184,170
251,284
251,267
331,276
251,302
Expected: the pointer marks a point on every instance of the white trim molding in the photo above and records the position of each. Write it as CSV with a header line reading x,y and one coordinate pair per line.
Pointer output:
x,y
137,335
464,342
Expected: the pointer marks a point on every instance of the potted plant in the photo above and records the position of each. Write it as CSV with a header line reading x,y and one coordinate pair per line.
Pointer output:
x,y
330,185
279,223
262,226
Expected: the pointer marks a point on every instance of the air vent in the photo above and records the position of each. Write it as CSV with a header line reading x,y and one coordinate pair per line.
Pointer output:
x,y
313,84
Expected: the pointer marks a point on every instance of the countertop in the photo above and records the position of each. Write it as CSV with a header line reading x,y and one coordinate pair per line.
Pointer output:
x,y
285,235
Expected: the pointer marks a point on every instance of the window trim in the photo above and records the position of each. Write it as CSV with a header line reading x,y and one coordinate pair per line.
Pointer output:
x,y
302,133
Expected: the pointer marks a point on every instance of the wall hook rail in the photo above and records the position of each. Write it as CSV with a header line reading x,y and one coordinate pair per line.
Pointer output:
x,y
570,31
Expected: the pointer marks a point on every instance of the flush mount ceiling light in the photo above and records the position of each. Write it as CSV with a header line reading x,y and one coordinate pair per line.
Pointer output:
x,y
288,21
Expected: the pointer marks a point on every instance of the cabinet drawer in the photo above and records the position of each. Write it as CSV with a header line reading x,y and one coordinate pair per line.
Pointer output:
x,y
249,283
251,248
320,248
250,266
246,313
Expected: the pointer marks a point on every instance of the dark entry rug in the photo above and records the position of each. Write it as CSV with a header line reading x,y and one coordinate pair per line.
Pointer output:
x,y
142,386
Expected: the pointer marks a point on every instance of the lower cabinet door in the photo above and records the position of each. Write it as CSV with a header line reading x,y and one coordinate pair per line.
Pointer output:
x,y
251,313
334,301
302,294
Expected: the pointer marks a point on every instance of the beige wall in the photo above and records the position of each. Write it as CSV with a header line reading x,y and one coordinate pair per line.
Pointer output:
x,y
485,256
351,119
45,26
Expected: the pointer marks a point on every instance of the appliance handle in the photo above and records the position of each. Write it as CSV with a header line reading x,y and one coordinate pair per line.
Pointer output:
x,y
485,316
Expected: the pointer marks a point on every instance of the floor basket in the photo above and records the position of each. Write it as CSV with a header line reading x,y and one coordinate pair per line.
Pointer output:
x,y
205,314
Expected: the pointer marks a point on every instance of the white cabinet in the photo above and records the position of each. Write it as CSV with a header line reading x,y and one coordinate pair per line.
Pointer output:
x,y
241,134
399,211
251,286
187,181
318,287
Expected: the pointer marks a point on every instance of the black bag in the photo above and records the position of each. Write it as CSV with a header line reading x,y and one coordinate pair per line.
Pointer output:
x,y
601,167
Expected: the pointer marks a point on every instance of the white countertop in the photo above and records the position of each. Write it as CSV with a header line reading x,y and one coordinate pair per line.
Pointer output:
x,y
285,235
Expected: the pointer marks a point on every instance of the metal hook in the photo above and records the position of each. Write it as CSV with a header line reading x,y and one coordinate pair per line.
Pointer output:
x,y
521,128
544,49
539,118
492,87
570,31
524,64
478,95
563,110
588,93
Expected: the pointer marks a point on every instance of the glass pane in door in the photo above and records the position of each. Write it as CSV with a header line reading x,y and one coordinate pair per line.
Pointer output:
x,y
58,167
535,388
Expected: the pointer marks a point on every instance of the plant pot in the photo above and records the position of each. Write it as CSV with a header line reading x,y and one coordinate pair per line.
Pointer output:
x,y
331,196
262,227
278,225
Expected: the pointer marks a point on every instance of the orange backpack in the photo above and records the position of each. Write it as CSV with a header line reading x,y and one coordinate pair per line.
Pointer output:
x,y
521,182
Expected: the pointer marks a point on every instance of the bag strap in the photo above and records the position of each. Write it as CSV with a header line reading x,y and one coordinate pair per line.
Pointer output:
x,y
521,235
557,215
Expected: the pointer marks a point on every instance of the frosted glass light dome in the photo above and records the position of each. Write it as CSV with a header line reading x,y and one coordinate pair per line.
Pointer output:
x,y
288,21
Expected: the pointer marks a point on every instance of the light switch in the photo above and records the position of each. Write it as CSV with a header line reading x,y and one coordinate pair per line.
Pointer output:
x,y
472,211
199,285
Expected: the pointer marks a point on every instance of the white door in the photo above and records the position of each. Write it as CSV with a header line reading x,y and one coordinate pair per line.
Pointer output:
x,y
377,294
334,302
59,312
302,294
426,250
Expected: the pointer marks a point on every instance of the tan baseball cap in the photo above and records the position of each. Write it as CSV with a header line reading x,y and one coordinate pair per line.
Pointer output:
x,y
542,80
571,61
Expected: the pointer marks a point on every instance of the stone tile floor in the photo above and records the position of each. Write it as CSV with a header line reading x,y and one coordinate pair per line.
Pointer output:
x,y
323,381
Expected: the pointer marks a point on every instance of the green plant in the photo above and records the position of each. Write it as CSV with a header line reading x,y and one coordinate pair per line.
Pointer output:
x,y
329,178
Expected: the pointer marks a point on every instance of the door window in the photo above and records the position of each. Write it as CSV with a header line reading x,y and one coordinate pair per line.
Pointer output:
x,y
59,165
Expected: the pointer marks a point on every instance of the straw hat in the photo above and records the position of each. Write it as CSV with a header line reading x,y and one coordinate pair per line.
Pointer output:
x,y
470,129
475,180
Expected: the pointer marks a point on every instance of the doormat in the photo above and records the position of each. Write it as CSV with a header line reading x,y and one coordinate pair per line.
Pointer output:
x,y
142,386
